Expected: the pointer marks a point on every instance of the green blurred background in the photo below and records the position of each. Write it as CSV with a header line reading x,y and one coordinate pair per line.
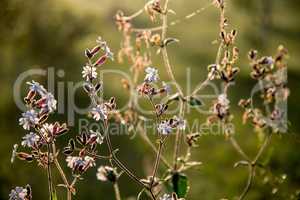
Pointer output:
x,y
54,33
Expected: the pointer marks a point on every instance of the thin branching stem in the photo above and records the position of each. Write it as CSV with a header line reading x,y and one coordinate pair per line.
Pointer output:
x,y
61,172
49,174
238,148
249,182
116,160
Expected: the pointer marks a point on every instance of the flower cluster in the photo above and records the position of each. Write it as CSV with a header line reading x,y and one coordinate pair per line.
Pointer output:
x,y
21,193
147,88
80,164
40,104
220,109
271,76
166,126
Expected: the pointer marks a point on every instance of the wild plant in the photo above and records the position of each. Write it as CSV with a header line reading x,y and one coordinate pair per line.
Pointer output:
x,y
81,153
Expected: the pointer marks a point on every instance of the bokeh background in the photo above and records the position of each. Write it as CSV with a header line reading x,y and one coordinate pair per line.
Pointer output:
x,y
54,33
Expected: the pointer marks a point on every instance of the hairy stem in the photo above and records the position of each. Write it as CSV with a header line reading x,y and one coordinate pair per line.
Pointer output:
x,y
61,172
117,191
249,183
116,160
49,174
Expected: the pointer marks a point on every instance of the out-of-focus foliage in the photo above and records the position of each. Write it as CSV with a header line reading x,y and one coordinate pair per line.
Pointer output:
x,y
54,33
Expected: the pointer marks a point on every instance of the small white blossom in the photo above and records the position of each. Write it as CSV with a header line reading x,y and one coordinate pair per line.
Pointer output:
x,y
89,161
166,197
100,112
151,75
166,87
105,173
47,131
19,193
222,99
164,128
50,102
71,160
221,108
35,86
30,140
180,123
28,119
89,72
99,139
105,48
76,162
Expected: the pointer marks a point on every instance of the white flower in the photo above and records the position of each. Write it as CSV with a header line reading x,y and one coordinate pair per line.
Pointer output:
x,y
89,161
151,75
19,193
75,162
106,173
180,123
100,112
28,119
35,86
71,160
166,87
221,108
164,128
89,72
50,102
30,139
166,197
105,48
222,99
47,130
99,139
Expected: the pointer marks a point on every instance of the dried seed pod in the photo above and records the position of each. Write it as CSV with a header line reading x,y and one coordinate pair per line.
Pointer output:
x,y
100,61
25,156
252,55
88,53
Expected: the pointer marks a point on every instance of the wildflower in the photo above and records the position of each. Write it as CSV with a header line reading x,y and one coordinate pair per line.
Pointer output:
x,y
166,87
106,173
19,193
221,108
105,48
80,164
90,162
36,87
47,102
50,131
30,140
222,99
100,112
146,89
178,123
164,128
50,103
151,75
74,160
97,137
29,119
89,73
166,197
